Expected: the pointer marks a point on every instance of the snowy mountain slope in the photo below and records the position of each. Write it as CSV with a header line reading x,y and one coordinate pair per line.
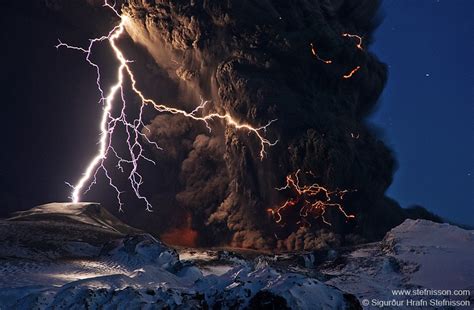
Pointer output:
x,y
79,257
134,271
416,254
59,231
82,213
242,287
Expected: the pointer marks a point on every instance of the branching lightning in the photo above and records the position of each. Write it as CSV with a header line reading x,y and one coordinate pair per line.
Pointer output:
x,y
133,128
313,200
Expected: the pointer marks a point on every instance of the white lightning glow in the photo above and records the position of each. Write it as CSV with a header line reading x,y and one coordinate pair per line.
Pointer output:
x,y
133,128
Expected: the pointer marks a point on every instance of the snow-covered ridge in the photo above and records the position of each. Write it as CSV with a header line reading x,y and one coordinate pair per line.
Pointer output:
x,y
134,271
96,265
416,254
59,230
84,212
443,252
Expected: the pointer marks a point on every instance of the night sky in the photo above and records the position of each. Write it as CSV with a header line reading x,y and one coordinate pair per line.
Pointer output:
x,y
427,109
49,110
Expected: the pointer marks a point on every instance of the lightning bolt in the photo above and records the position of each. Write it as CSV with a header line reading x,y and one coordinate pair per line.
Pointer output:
x,y
109,123
314,200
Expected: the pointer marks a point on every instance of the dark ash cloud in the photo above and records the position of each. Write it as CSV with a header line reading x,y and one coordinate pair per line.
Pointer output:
x,y
253,60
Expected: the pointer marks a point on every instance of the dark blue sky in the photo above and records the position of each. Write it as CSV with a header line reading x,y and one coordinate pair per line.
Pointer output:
x,y
427,109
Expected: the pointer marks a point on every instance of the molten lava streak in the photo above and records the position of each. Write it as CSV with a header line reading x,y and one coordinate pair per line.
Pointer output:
x,y
359,39
133,127
312,200
350,74
328,61
315,54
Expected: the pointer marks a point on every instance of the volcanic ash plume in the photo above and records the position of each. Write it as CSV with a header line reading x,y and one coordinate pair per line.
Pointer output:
x,y
304,63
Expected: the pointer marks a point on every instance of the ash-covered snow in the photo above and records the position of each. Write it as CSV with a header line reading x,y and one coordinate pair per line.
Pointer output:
x,y
97,265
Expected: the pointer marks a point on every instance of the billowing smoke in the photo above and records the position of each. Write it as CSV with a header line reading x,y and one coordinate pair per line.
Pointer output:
x,y
254,60
258,60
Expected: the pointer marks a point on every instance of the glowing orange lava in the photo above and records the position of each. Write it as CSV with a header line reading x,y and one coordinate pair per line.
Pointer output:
x,y
315,53
328,61
181,236
313,200
350,74
359,39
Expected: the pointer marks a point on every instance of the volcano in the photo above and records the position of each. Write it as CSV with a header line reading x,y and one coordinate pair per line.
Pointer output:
x,y
264,185
250,94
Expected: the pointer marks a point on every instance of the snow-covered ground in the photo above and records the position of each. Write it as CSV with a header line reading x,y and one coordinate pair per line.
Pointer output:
x,y
136,271
415,256
102,263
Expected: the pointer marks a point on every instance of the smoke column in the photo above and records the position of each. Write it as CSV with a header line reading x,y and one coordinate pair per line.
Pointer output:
x,y
307,64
